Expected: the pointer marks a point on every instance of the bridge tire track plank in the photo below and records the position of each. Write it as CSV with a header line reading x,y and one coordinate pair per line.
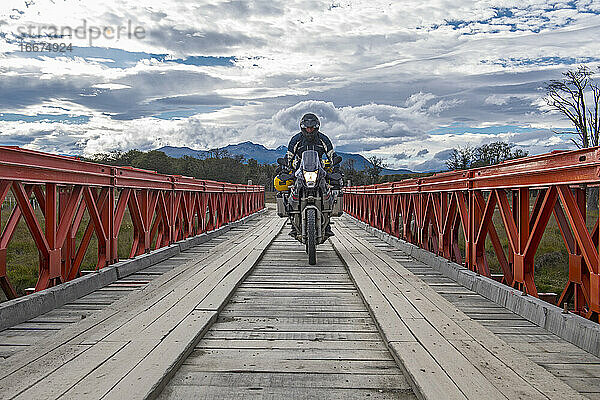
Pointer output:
x,y
442,327
574,366
69,344
83,307
284,334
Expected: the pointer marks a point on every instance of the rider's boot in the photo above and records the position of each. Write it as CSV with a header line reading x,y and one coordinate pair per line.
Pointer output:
x,y
293,232
328,231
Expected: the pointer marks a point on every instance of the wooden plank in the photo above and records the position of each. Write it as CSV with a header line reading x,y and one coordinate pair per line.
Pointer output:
x,y
444,321
117,313
219,392
332,322
149,377
471,382
499,374
347,295
315,308
281,312
99,381
534,374
287,380
215,290
196,285
427,378
308,353
349,345
44,326
61,379
287,336
298,301
292,327
16,381
8,350
391,326
295,335
282,365
590,387
574,370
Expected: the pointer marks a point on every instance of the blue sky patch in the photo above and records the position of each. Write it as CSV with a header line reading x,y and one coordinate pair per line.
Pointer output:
x,y
460,129
63,118
505,62
117,58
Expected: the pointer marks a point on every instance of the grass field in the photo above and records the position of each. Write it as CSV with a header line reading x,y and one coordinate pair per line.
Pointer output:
x,y
23,258
551,261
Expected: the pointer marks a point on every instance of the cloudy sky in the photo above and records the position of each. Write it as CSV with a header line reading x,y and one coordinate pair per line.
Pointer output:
x,y
404,80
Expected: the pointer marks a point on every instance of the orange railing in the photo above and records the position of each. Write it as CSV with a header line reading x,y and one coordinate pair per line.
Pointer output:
x,y
431,212
163,209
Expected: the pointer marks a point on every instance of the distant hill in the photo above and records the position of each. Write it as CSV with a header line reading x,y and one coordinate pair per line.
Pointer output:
x,y
266,156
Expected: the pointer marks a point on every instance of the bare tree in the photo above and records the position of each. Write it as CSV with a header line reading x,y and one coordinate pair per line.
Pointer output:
x,y
461,158
373,170
577,96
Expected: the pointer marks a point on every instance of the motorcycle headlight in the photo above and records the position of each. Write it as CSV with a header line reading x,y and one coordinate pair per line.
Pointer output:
x,y
310,177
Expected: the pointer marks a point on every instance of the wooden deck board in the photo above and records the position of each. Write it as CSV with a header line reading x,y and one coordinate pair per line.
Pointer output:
x,y
534,342
439,326
292,331
172,335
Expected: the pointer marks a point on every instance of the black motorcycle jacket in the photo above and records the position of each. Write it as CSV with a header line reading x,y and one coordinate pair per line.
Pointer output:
x,y
299,144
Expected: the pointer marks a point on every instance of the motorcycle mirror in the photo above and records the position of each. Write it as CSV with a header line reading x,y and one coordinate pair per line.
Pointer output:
x,y
337,159
281,161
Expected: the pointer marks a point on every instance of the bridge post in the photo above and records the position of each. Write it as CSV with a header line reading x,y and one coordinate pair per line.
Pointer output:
x,y
52,262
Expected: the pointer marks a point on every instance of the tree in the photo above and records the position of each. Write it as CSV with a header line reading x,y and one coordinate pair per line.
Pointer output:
x,y
351,174
373,170
488,154
496,152
218,153
461,158
222,167
577,97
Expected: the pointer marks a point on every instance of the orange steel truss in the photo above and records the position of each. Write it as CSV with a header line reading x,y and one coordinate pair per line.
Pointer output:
x,y
430,212
163,209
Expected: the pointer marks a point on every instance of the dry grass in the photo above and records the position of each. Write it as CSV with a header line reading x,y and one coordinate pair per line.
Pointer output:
x,y
551,261
23,257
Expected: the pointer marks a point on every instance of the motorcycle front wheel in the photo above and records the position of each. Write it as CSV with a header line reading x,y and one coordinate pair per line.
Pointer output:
x,y
311,235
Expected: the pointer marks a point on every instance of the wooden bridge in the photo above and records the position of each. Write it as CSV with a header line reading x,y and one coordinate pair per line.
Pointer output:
x,y
223,304
244,315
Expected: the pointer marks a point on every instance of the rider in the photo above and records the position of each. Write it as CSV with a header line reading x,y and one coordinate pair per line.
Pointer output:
x,y
309,138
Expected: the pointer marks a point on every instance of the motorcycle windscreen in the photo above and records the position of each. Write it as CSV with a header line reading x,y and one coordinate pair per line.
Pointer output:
x,y
310,161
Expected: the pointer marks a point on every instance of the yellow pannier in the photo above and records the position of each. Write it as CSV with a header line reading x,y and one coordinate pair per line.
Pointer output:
x,y
282,186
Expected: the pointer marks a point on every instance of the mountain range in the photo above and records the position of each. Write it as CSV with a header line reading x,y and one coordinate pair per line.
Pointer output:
x,y
267,156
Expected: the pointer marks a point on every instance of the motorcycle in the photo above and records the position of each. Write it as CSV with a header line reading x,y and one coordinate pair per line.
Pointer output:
x,y
309,197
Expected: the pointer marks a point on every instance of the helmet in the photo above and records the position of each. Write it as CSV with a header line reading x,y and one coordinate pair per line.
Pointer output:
x,y
310,121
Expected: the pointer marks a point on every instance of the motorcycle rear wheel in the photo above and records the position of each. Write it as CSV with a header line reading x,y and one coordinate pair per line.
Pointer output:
x,y
311,236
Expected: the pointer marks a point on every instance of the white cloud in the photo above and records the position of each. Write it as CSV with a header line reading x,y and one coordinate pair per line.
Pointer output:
x,y
111,86
382,75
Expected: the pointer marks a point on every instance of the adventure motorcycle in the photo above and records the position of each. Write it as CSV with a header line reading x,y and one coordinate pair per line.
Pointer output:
x,y
309,197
